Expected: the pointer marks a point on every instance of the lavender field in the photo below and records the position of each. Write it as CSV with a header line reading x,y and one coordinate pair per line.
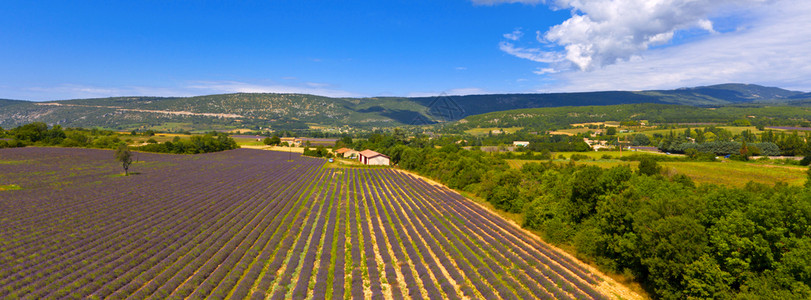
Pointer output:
x,y
250,224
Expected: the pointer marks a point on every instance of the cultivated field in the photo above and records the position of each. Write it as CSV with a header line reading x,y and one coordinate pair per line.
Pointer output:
x,y
250,224
486,130
727,172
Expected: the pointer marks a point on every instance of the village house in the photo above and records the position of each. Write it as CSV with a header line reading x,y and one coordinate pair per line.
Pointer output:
x,y
347,153
596,144
291,141
369,157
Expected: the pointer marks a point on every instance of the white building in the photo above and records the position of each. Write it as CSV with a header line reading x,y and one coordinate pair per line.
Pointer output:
x,y
369,157
520,143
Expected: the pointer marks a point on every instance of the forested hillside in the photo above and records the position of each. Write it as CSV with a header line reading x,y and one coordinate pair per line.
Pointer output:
x,y
560,117
300,111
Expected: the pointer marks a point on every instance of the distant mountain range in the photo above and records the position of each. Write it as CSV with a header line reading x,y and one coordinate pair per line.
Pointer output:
x,y
298,111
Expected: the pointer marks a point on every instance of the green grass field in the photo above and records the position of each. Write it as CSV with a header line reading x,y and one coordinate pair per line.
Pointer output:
x,y
730,173
600,154
734,129
485,130
572,131
650,131
248,141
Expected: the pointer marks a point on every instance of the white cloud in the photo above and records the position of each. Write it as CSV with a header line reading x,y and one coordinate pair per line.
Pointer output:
x,y
605,32
772,50
515,35
542,71
706,25
533,54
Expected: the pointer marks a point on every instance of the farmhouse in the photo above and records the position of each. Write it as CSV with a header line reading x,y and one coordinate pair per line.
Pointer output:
x,y
369,157
347,153
291,141
596,144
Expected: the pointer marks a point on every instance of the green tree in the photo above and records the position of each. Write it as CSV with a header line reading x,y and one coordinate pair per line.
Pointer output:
x,y
744,151
33,132
123,155
611,131
55,135
741,122
273,141
586,190
640,140
704,279
648,167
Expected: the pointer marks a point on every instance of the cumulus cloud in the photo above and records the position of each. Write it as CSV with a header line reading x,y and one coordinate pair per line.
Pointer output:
x,y
771,50
605,32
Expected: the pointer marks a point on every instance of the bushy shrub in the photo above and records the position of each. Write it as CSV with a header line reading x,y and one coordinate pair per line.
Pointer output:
x,y
210,142
648,167
726,148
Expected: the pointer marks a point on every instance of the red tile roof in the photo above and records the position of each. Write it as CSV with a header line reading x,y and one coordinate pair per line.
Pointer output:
x,y
369,154
343,150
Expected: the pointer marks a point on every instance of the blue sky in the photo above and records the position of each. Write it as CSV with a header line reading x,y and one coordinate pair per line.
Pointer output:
x,y
74,49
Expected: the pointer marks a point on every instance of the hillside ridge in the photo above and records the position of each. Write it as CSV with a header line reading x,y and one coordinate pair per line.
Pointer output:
x,y
301,111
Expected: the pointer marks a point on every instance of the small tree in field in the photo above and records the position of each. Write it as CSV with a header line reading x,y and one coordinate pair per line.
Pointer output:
x,y
648,167
124,155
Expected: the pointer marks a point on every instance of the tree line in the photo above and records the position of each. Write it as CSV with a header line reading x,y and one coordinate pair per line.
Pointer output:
x,y
40,134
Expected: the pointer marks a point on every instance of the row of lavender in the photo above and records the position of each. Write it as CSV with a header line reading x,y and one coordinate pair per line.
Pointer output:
x,y
250,224
443,246
171,233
